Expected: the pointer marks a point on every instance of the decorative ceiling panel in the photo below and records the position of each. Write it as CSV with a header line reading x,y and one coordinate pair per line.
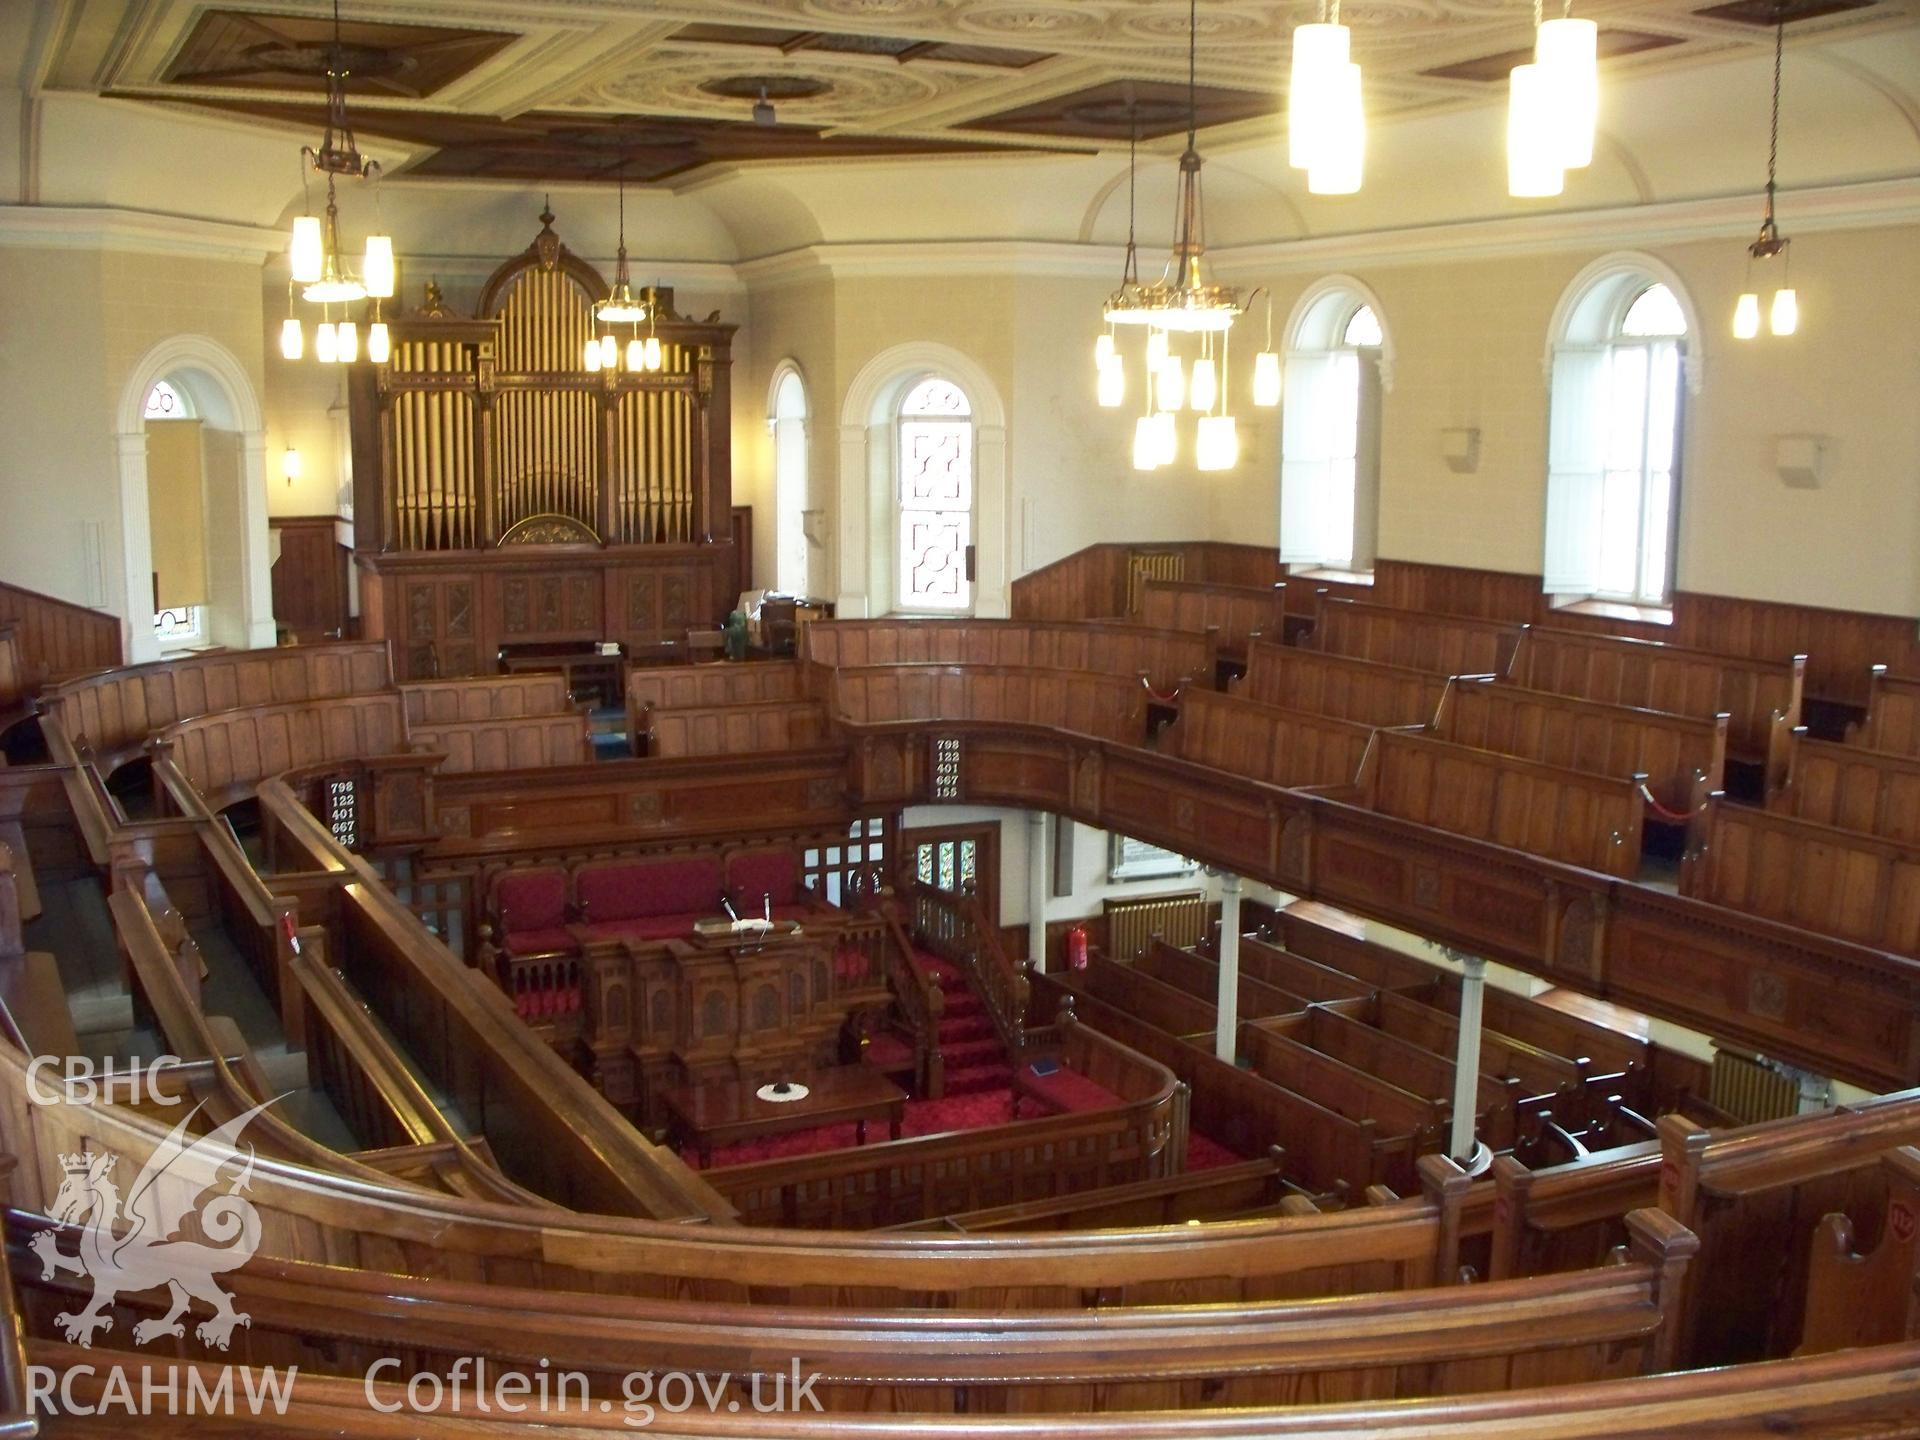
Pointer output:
x,y
1109,112
233,49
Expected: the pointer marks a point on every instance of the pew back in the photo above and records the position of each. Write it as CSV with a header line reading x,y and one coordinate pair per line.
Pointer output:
x,y
1108,707
226,753
1441,644
1237,614
519,742
1261,742
1112,647
490,697
1893,714
736,729
1340,687
1868,791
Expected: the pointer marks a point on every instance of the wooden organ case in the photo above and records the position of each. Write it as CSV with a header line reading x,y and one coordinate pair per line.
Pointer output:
x,y
504,495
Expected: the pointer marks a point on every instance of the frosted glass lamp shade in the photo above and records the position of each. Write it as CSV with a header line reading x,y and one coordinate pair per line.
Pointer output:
x,y
377,272
1319,53
1534,168
609,353
636,354
1146,445
592,356
1266,379
379,343
290,464
326,345
1104,353
305,255
1217,446
1570,50
347,336
653,352
292,340
1785,316
1746,317
1113,384
1204,388
1340,158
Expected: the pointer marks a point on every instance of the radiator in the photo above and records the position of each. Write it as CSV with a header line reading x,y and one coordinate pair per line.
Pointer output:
x,y
1751,1090
1180,920
1145,565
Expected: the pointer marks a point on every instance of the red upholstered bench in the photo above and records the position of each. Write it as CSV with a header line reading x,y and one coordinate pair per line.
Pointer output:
x,y
756,877
530,910
646,899
1063,1091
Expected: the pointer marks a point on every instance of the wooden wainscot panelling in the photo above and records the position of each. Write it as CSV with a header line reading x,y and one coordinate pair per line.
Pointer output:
x,y
1791,995
634,799
889,767
1035,770
1236,824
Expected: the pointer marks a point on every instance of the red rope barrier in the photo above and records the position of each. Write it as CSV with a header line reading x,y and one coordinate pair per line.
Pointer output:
x,y
1661,812
1172,697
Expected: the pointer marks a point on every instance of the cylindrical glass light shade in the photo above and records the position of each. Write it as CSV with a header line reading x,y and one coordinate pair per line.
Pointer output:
x,y
326,346
653,352
379,343
1785,318
1534,169
609,353
1570,49
292,339
1204,388
1166,438
1170,385
592,355
1217,446
1157,350
1266,379
377,272
1342,154
290,464
1146,444
1319,51
305,255
636,354
347,341
1746,317
1113,384
1103,352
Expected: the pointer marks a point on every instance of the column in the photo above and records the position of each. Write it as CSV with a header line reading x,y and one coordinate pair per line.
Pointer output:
x,y
1037,889
1816,1091
1466,1061
1227,1002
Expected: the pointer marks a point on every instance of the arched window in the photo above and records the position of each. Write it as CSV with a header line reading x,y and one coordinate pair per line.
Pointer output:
x,y
935,497
791,492
166,403
1614,440
1330,431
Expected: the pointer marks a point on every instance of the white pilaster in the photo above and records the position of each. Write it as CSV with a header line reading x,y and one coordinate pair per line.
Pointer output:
x,y
1037,889
135,580
1466,1062
256,564
1226,1033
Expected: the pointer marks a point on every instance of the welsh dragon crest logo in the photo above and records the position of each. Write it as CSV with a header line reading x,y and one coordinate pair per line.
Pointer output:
x,y
140,1248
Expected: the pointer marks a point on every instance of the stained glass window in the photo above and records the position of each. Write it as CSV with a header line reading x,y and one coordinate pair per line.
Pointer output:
x,y
936,497
178,625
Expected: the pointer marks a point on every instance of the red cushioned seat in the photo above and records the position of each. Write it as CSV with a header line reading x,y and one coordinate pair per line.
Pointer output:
x,y
533,898
538,942
1067,1090
641,889
754,876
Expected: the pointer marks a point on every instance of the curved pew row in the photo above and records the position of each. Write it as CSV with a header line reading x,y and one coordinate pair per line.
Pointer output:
x,y
1105,706
1608,1322
1168,658
1340,687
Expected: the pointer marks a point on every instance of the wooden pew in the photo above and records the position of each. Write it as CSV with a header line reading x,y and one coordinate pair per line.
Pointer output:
x,y
750,728
1836,882
1566,815
1871,792
490,697
1405,1125
1168,658
681,687
1200,977
1606,1322
1299,933
227,753
1339,687
1280,747
1343,1031
1109,707
1760,698
16,684
1440,644
1866,1299
1170,1200
1892,722
1683,757
117,710
57,638
1296,974
1146,996
521,742
1237,615
1539,1073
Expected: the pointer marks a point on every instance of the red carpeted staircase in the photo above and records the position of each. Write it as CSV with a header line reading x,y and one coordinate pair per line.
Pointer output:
x,y
971,1053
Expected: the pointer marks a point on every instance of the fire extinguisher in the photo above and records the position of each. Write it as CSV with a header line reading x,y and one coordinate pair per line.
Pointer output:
x,y
1077,947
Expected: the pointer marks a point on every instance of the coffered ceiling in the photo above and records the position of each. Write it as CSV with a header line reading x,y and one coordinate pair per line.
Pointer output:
x,y
575,89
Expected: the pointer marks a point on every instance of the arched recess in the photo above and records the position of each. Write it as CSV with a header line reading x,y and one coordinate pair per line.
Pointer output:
x,y
241,612
794,513
868,477
1339,365
1589,309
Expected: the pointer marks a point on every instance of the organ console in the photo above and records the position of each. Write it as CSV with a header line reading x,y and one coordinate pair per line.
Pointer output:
x,y
504,495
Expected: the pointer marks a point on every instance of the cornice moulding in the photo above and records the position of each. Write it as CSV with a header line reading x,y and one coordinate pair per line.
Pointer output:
x,y
82,227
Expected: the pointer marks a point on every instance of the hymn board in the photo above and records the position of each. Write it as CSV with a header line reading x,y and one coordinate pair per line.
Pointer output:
x,y
505,496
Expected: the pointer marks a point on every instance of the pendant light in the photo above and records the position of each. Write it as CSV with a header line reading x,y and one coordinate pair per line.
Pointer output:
x,y
1783,315
1569,49
1534,170
619,308
1326,119
1127,305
